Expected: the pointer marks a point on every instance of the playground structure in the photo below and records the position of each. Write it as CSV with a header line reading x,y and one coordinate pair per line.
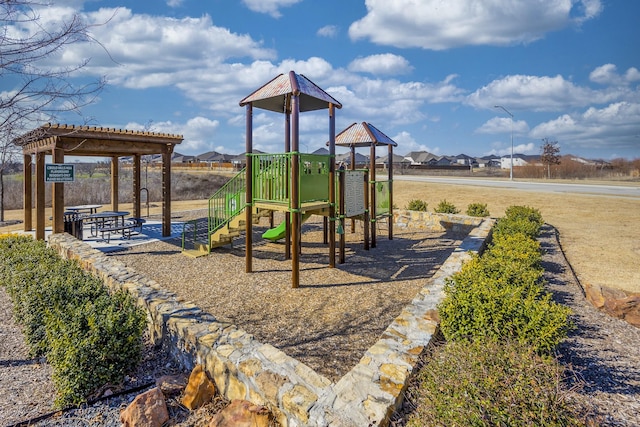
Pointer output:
x,y
298,184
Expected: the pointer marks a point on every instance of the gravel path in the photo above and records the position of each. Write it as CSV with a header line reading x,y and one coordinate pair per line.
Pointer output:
x,y
603,351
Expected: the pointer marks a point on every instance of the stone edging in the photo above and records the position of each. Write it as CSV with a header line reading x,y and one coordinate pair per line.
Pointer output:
x,y
243,368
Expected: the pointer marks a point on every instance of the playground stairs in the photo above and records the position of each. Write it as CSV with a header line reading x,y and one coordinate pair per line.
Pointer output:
x,y
224,235
234,228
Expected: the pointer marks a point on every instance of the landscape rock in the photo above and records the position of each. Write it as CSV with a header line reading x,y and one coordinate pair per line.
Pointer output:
x,y
625,308
241,413
615,302
172,385
200,389
594,295
148,409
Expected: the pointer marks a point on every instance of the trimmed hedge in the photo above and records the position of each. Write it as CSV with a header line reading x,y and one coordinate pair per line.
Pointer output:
x,y
500,295
89,337
497,368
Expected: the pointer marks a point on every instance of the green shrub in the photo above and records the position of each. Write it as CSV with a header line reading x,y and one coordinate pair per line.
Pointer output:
x,y
95,343
417,205
492,384
524,212
522,219
497,311
500,295
88,336
446,207
478,209
516,225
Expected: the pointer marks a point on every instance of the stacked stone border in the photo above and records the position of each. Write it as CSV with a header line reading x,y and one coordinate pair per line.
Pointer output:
x,y
244,368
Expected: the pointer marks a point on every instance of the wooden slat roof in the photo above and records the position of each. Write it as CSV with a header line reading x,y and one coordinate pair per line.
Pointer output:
x,y
95,141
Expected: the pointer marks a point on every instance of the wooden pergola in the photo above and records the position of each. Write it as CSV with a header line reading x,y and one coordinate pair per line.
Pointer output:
x,y
58,140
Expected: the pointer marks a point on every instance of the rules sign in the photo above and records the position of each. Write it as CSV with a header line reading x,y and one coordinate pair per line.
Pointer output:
x,y
59,172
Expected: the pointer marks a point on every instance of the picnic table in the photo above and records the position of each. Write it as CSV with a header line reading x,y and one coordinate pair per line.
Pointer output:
x,y
84,209
109,222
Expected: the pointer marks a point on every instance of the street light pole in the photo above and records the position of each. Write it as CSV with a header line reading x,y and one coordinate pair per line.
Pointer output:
x,y
507,111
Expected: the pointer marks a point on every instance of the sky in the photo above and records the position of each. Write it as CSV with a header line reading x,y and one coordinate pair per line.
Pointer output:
x,y
427,73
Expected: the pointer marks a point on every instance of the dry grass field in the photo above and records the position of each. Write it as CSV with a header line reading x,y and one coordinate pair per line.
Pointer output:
x,y
601,235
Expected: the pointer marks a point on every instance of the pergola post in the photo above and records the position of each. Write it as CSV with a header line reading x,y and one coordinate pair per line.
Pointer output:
x,y
40,157
57,195
166,191
27,201
114,183
136,185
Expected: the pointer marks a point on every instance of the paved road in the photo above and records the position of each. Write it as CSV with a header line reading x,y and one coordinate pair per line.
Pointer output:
x,y
632,191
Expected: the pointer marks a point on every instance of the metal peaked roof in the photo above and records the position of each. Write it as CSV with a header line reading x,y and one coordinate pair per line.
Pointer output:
x,y
273,95
363,135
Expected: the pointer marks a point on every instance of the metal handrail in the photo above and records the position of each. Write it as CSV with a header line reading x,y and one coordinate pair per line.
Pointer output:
x,y
227,202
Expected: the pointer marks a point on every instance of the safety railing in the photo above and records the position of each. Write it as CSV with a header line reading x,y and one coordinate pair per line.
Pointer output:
x,y
383,198
271,181
270,177
227,202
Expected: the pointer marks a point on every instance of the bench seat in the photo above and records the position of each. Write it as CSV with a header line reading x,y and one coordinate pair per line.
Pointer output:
x,y
129,225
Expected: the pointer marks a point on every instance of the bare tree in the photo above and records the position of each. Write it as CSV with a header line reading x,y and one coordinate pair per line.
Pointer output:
x,y
35,92
550,154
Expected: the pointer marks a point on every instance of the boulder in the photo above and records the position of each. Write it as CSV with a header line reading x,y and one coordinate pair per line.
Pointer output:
x,y
148,409
200,389
624,308
241,413
594,295
615,302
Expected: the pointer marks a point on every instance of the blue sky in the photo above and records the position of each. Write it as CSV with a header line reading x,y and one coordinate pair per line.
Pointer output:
x,y
428,73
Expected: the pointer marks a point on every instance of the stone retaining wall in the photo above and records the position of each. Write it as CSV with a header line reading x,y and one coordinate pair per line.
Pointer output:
x,y
243,368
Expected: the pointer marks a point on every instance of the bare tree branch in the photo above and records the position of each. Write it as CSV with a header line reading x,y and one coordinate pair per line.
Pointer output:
x,y
36,92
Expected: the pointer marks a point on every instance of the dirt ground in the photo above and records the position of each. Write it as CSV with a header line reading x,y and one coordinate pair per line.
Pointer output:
x,y
600,234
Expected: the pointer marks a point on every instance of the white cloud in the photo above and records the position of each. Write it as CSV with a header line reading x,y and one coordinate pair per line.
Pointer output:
x,y
154,51
381,64
405,140
501,149
503,125
329,31
270,7
174,3
615,126
198,132
438,25
538,93
608,75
